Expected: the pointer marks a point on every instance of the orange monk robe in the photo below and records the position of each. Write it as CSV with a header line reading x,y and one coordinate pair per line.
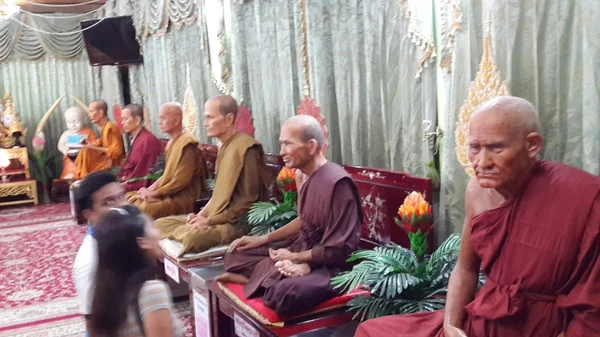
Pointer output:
x,y
68,165
182,183
91,160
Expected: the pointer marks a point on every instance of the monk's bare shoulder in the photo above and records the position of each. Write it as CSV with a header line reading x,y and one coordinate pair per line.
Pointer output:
x,y
479,200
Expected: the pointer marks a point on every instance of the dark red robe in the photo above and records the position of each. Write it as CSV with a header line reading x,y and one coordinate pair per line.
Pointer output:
x,y
539,252
145,148
331,218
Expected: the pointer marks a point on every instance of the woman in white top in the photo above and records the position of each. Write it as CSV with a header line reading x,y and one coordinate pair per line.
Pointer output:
x,y
129,301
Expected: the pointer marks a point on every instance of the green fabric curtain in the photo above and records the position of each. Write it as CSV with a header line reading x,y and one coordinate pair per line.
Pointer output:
x,y
547,51
35,86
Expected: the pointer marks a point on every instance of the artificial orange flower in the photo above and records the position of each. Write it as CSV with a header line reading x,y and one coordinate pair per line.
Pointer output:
x,y
287,179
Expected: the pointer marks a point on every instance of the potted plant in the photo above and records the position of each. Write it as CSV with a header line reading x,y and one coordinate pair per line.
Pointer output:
x,y
402,280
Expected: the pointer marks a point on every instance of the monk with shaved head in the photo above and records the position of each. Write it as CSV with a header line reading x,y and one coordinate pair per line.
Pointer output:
x,y
531,226
184,178
103,153
239,183
290,268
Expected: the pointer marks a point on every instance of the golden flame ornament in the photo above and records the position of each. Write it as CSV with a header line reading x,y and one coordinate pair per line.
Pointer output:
x,y
486,86
190,107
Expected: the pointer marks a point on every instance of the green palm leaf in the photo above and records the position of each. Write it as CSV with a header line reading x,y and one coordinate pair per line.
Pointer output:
x,y
260,212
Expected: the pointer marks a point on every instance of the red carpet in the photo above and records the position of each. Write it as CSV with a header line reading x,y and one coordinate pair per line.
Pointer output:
x,y
37,250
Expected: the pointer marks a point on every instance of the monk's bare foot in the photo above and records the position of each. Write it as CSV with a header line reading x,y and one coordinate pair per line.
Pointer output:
x,y
289,269
231,278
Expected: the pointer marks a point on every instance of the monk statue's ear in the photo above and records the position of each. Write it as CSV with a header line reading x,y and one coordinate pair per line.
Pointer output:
x,y
230,118
534,144
313,146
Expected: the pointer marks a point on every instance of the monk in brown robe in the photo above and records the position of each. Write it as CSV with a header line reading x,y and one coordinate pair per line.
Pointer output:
x,y
105,152
238,184
294,275
184,178
532,227
145,148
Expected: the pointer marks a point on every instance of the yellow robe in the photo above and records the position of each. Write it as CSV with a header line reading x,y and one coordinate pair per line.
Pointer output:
x,y
90,160
238,184
68,165
182,183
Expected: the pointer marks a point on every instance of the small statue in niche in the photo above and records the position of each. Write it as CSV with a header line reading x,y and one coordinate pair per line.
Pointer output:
x,y
71,140
16,129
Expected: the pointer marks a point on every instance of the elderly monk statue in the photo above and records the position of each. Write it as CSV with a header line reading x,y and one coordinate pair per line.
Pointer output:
x,y
184,178
145,148
532,227
238,184
292,276
105,152
75,121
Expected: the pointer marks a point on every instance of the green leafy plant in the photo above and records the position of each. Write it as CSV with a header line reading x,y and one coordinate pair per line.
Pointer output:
x,y
398,280
265,217
42,165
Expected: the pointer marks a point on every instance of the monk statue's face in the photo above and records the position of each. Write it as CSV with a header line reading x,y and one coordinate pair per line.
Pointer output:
x,y
499,153
95,112
295,152
129,122
215,123
74,119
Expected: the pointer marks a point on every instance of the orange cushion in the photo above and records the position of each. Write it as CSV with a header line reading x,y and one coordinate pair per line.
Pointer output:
x,y
268,316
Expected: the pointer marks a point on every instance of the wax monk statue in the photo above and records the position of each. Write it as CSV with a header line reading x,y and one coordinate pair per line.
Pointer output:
x,y
532,227
238,184
144,151
291,267
184,178
106,151
75,121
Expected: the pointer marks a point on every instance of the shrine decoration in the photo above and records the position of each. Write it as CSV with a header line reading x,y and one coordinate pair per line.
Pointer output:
x,y
308,105
190,106
486,86
244,121
416,218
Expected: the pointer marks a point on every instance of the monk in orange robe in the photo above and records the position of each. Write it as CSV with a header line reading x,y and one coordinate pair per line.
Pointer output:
x,y
532,227
75,122
105,152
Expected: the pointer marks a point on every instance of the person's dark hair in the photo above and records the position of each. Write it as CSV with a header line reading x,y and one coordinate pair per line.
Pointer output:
x,y
90,185
102,105
227,105
136,111
123,268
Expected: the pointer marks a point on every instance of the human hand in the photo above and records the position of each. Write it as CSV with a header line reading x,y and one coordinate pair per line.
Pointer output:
x,y
198,222
452,331
281,254
190,218
247,242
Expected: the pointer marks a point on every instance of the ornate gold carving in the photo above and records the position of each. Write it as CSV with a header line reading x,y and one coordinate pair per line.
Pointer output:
x,y
305,68
190,107
487,85
16,190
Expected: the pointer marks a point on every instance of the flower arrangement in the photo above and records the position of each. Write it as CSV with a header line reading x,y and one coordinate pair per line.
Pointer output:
x,y
416,218
265,217
43,163
286,180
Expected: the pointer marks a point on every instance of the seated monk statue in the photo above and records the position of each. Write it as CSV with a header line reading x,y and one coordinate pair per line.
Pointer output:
x,y
144,149
106,151
75,121
239,183
291,267
531,226
184,178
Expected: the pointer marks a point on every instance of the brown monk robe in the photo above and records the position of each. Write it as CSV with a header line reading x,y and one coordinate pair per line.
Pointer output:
x,y
296,278
105,152
238,184
183,180
533,229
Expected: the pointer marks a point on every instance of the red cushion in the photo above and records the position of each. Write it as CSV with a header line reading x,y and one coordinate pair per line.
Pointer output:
x,y
257,304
